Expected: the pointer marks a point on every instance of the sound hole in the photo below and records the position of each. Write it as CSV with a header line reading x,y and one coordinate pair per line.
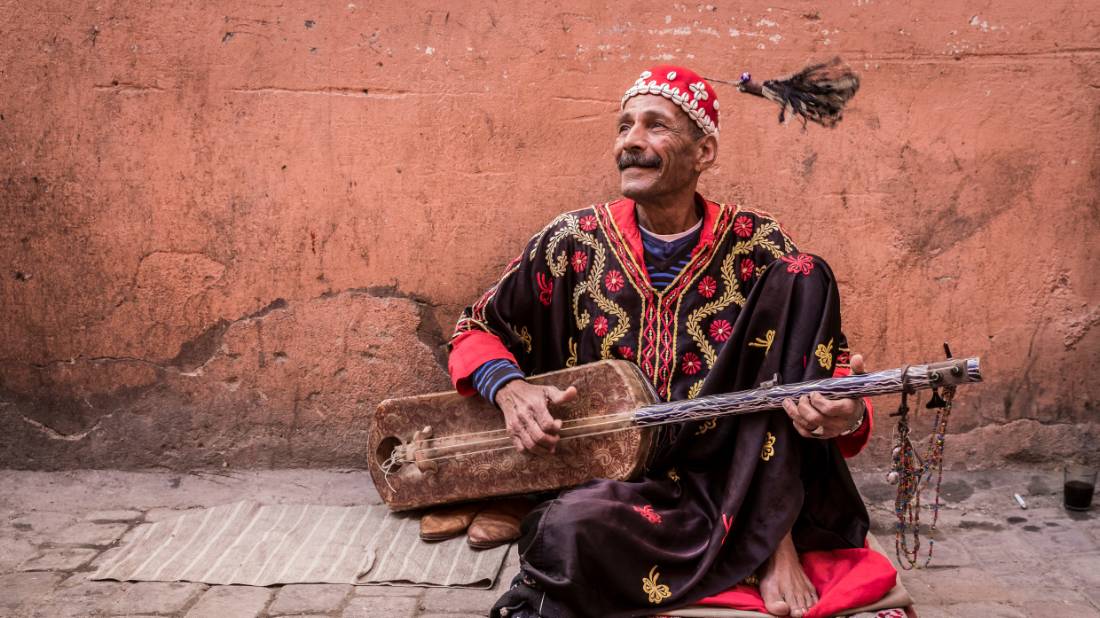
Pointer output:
x,y
385,451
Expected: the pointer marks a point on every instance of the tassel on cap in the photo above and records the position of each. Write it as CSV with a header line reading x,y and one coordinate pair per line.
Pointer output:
x,y
817,93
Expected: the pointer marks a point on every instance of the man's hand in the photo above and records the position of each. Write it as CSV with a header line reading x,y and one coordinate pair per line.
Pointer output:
x,y
814,416
526,415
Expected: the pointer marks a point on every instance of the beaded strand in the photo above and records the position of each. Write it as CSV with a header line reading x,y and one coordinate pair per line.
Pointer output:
x,y
911,473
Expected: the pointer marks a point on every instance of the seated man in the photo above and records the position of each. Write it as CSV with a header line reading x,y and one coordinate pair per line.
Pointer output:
x,y
705,298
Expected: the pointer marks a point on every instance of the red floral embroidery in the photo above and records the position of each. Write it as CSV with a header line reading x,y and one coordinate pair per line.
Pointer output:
x,y
742,226
647,511
626,352
748,269
720,330
546,289
580,260
691,363
588,223
614,281
707,286
599,325
801,263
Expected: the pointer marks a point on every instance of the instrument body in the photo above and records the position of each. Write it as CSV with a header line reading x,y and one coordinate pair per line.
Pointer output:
x,y
605,387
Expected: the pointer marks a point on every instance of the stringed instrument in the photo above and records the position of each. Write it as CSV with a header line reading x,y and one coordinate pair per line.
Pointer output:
x,y
442,448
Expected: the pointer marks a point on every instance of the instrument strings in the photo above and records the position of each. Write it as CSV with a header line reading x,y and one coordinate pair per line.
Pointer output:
x,y
503,433
455,440
395,461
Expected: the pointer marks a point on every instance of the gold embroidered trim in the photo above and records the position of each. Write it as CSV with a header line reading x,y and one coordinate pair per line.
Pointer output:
x,y
693,392
731,285
590,284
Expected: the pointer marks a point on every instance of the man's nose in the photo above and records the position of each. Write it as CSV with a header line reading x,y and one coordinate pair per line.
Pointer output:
x,y
635,138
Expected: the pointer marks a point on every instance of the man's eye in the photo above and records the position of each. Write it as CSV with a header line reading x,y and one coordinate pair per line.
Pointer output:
x,y
623,127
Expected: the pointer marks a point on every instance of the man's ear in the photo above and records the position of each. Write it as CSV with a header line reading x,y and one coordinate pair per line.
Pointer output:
x,y
706,153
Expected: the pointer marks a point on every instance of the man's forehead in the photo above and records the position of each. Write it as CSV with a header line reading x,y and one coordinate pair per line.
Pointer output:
x,y
653,105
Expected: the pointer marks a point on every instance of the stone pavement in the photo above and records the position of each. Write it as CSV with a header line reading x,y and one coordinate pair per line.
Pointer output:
x,y
992,558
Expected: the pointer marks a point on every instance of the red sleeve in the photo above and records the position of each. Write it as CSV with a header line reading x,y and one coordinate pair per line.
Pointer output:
x,y
470,350
851,444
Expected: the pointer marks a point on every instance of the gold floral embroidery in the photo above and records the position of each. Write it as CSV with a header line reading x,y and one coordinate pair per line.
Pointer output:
x,y
524,336
572,360
673,475
731,286
768,451
764,342
590,285
824,354
707,425
657,592
731,294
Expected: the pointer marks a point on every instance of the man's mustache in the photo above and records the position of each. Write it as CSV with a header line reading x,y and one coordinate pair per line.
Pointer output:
x,y
637,159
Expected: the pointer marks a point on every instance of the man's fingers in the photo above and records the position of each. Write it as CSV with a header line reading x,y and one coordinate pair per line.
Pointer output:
x,y
817,413
809,413
519,434
545,422
531,445
543,441
827,407
791,408
856,363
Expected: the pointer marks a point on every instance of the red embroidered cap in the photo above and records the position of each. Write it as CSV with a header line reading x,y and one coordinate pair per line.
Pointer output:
x,y
683,87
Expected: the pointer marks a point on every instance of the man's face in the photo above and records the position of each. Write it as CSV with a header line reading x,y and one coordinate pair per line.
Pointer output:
x,y
656,149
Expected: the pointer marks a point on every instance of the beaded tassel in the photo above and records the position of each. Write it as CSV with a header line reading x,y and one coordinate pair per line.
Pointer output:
x,y
911,473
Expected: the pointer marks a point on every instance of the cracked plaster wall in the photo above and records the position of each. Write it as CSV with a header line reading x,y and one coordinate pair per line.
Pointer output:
x,y
229,231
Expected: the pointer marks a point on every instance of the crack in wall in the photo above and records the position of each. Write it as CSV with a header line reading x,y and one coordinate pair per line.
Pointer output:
x,y
94,359
197,352
354,91
53,434
428,330
332,91
127,87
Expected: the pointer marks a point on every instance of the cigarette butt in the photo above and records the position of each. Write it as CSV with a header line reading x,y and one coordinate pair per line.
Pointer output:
x,y
1020,501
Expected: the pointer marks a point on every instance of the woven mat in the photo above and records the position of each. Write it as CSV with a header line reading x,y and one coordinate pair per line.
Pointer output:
x,y
261,545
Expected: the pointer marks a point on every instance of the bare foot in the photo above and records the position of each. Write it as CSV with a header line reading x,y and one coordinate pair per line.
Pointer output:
x,y
785,588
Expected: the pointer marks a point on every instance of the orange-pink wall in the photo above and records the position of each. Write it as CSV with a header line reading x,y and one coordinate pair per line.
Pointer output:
x,y
230,229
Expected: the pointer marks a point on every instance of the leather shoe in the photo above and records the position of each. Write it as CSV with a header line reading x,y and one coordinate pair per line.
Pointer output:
x,y
498,523
448,522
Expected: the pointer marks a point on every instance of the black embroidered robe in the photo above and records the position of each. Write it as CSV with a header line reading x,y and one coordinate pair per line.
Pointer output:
x,y
720,494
